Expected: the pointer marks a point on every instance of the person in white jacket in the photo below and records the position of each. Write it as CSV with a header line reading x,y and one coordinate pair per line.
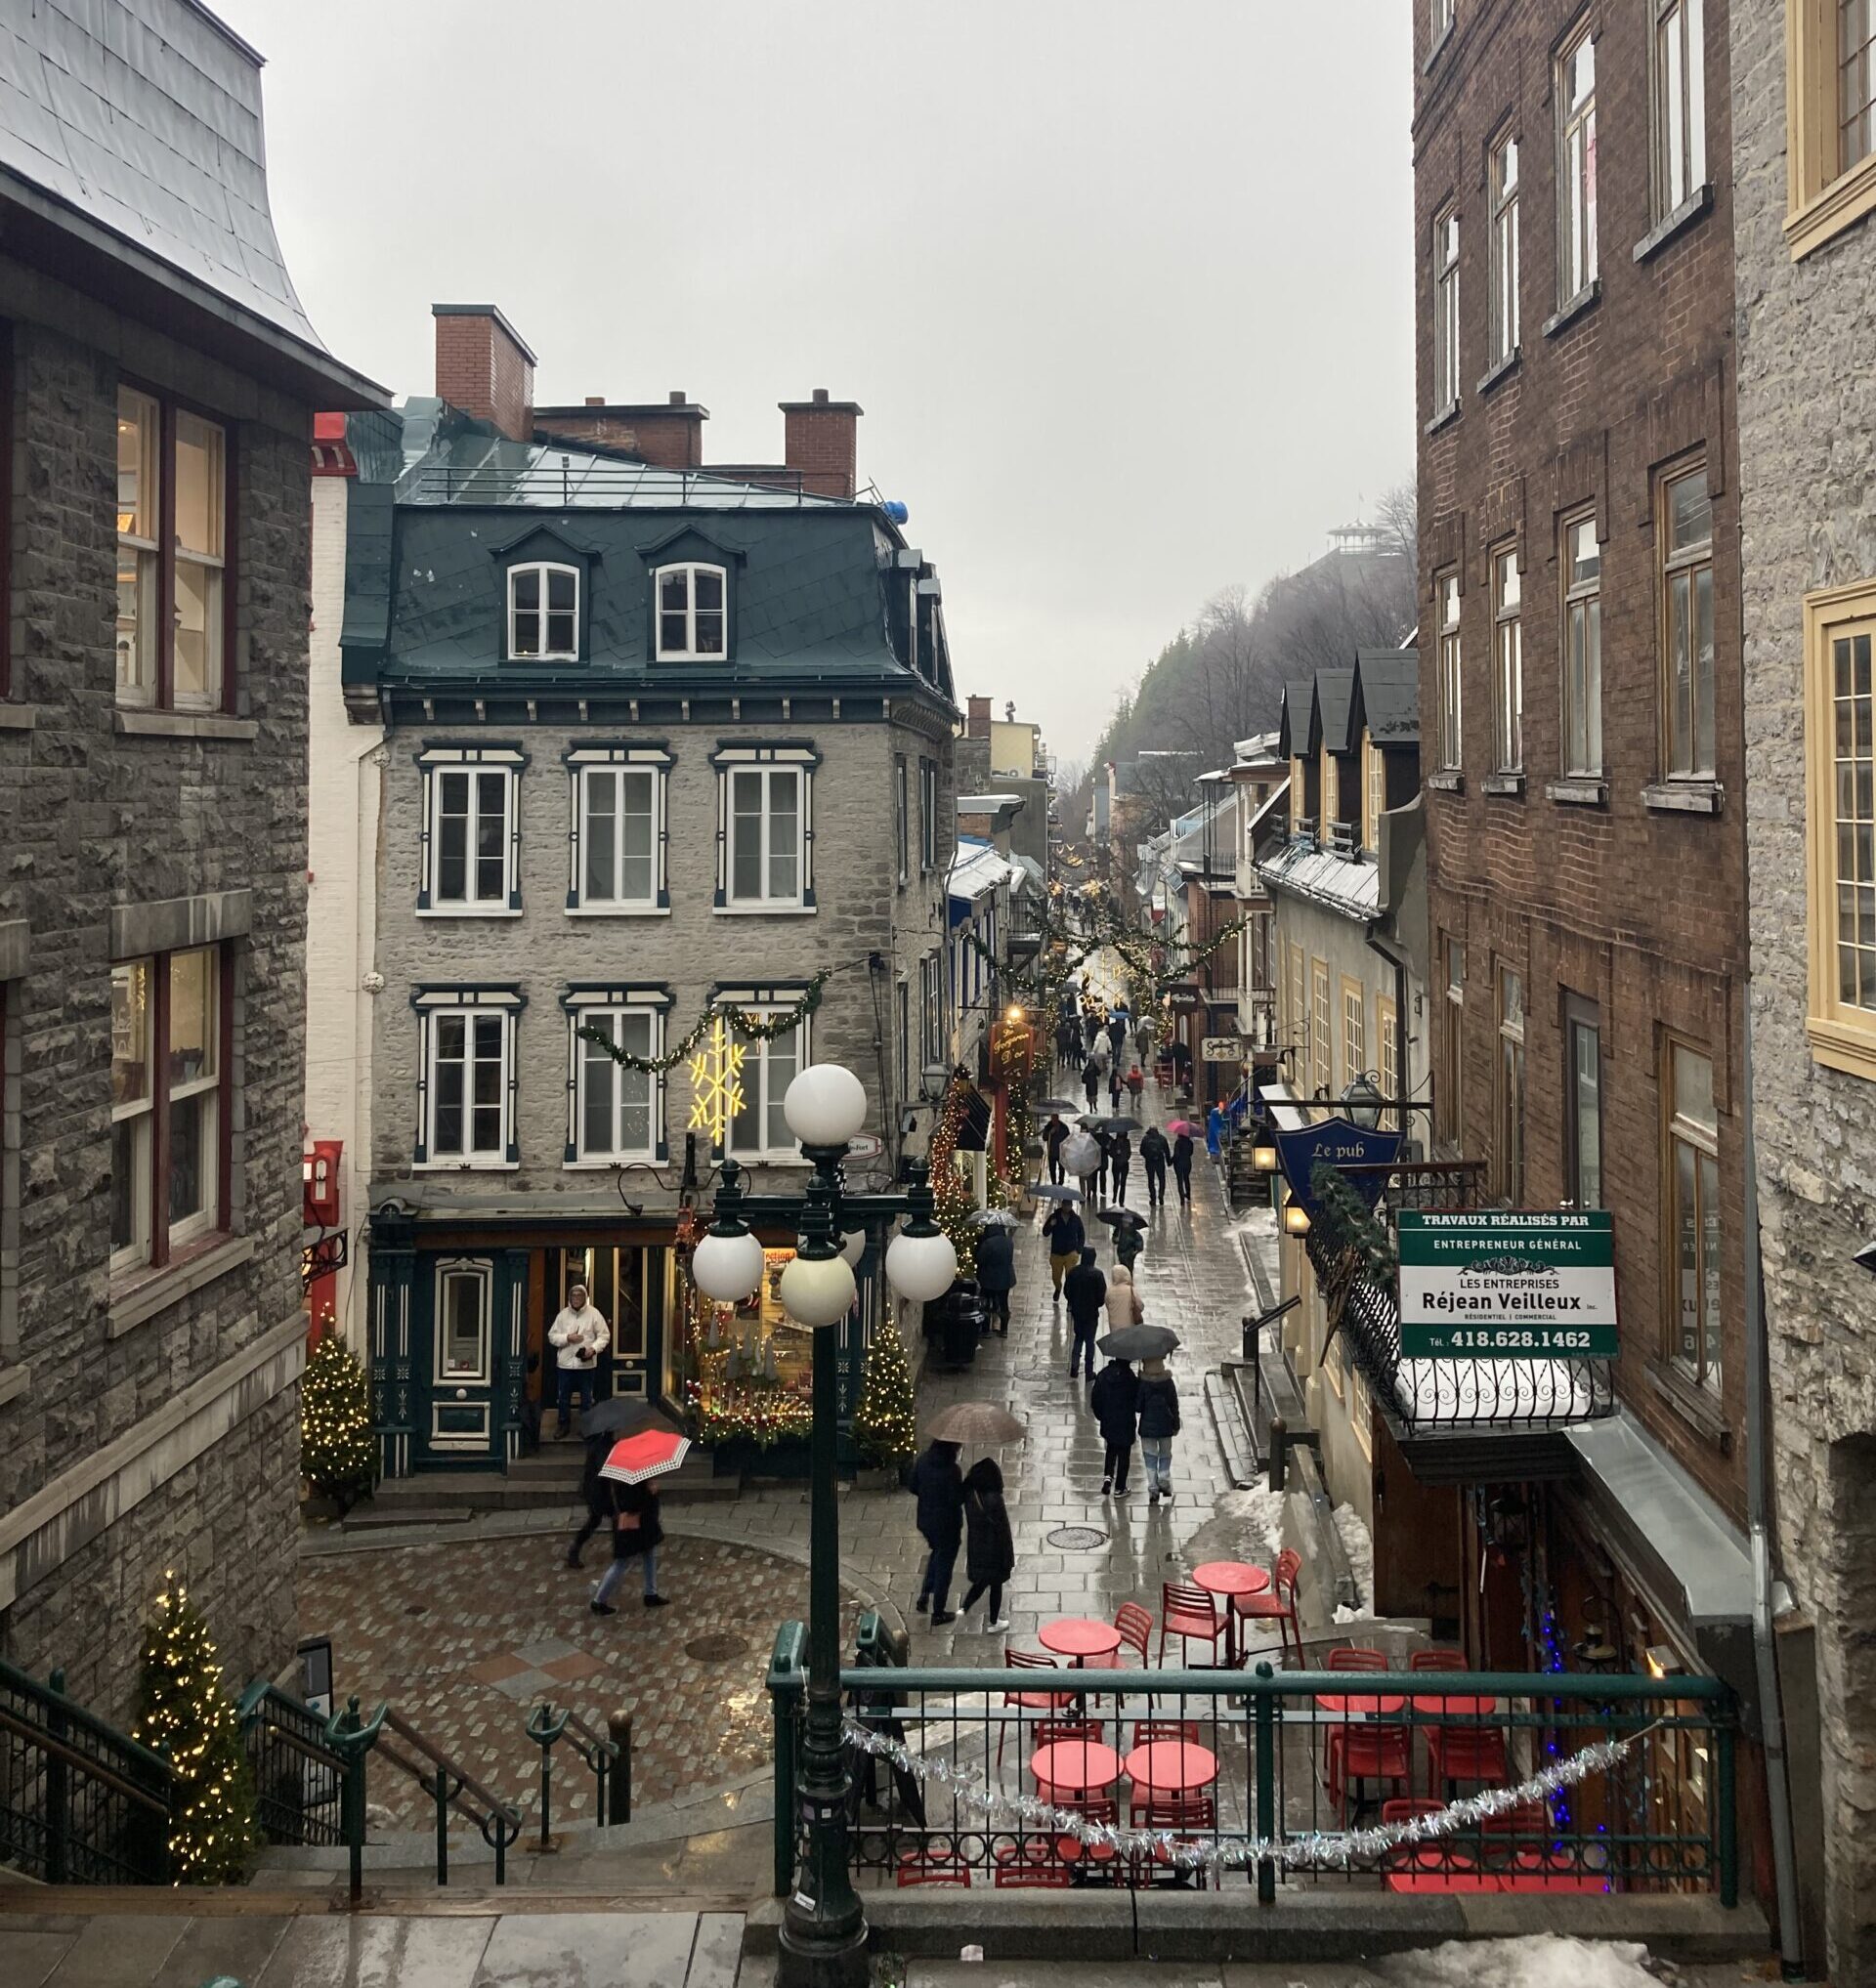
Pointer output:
x,y
579,1335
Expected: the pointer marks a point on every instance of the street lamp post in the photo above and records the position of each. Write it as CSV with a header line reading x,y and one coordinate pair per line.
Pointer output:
x,y
824,1931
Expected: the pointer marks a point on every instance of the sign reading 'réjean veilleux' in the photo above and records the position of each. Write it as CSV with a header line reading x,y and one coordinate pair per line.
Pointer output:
x,y
1504,1285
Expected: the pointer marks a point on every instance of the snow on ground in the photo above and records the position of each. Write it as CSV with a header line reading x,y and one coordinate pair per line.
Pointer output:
x,y
1538,1960
1360,1548
1254,1521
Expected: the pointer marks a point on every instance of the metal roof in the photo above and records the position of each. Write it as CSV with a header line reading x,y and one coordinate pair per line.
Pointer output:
x,y
1342,883
135,127
977,870
1293,731
1332,712
1390,688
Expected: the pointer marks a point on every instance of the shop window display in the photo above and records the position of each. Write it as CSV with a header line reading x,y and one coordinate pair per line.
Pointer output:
x,y
754,1366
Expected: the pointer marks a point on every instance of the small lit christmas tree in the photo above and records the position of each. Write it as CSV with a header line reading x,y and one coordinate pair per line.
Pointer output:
x,y
953,1206
185,1713
338,1453
885,1423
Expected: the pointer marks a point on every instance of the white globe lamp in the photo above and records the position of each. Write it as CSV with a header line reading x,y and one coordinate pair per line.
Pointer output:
x,y
727,1267
853,1247
922,1267
825,1105
817,1291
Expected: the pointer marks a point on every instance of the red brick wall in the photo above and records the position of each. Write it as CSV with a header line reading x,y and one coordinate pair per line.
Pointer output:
x,y
672,440
480,371
1638,909
821,442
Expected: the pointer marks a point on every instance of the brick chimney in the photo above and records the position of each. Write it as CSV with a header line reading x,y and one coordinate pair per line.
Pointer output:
x,y
668,433
484,368
821,438
976,717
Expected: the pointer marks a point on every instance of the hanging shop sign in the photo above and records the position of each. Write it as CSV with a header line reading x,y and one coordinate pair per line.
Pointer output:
x,y
1507,1284
1338,1142
1220,1049
1182,996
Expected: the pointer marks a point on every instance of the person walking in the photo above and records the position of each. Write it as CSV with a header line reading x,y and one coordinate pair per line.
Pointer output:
x,y
637,1535
1182,1168
1092,1083
1120,1162
1054,1134
593,1488
1062,1227
996,1274
1128,1245
1115,1399
990,1552
1154,1154
1124,1306
1117,1031
1114,1081
1085,1291
1100,1138
939,1487
1143,1040
579,1335
1158,1424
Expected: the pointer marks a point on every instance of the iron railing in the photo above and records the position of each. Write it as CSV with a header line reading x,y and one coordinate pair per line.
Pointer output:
x,y
607,1755
1289,1763
569,478
80,1803
299,1780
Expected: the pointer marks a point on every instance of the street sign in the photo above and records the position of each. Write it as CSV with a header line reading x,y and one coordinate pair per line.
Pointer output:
x,y
1220,1049
1504,1284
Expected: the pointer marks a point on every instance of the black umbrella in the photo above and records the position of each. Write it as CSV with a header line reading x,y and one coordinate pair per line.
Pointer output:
x,y
1120,1125
621,1415
1139,1343
1051,1190
1058,1104
1121,1219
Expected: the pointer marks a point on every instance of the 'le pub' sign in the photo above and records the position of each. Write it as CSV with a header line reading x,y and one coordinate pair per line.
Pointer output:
x,y
1503,1284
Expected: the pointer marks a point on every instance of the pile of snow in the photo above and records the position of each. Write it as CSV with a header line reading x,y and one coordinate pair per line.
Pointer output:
x,y
1250,1521
1493,1390
1360,1550
1537,1961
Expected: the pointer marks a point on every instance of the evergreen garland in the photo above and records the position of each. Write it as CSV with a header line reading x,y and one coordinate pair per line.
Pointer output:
x,y
754,1028
338,1453
885,1422
185,1713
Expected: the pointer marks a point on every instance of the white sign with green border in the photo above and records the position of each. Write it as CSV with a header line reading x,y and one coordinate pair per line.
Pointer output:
x,y
1501,1284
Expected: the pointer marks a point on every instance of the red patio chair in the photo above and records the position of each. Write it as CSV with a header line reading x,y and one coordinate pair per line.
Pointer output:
x,y
1034,1863
1365,1750
1441,1657
1029,1701
1147,1731
1135,1625
1188,1611
1051,1730
1197,1811
1277,1604
1352,1657
1465,1753
1516,1834
928,1865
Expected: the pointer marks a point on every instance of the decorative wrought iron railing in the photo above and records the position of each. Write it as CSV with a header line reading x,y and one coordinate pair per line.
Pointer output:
x,y
80,1803
299,1781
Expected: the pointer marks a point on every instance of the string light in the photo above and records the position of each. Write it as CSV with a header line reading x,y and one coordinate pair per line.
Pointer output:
x,y
769,1027
885,1423
338,1454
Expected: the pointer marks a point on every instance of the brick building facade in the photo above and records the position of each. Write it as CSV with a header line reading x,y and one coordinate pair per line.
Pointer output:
x,y
152,912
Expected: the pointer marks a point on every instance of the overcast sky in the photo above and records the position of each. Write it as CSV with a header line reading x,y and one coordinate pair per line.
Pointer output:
x,y
1125,286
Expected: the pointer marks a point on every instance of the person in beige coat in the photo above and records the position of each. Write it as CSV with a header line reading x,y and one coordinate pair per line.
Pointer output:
x,y
1124,1306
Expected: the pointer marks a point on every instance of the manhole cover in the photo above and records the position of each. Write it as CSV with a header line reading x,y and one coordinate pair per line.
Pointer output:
x,y
721,1649
1077,1539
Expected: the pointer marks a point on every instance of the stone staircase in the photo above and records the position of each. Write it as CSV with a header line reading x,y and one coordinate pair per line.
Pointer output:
x,y
548,1481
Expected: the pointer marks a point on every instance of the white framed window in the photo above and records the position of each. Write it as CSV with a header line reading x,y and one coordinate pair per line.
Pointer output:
x,y
1450,712
1321,1029
1694,1216
927,815
693,613
1446,311
1576,262
765,828
1374,795
1680,103
1688,646
1354,1032
614,1112
902,818
543,612
759,1129
1508,655
1581,649
464,1311
466,1076
619,830
470,860
1503,311
133,1116
172,491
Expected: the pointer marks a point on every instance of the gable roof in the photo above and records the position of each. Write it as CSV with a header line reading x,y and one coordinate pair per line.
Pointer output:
x,y
1292,728
1332,712
1389,688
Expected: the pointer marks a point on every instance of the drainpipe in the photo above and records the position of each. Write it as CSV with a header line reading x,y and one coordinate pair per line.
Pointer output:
x,y
1757,1445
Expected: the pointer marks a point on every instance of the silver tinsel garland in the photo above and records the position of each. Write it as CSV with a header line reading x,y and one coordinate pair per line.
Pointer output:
x,y
1308,1850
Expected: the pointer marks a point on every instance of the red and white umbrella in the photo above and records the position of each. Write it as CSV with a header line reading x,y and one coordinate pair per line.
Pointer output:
x,y
649,1454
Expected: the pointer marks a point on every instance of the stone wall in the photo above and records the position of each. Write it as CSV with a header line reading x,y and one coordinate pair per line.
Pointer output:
x,y
96,822
1807,414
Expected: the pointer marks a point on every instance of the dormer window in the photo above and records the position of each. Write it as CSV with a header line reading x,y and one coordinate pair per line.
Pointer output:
x,y
693,616
543,613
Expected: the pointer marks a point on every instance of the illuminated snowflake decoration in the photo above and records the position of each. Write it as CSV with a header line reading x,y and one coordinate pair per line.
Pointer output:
x,y
716,1085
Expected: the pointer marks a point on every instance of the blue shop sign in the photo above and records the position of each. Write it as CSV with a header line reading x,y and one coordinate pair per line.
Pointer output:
x,y
1340,1143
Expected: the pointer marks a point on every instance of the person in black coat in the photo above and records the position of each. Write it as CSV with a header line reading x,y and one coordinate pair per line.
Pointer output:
x,y
1154,1154
1085,1291
637,1535
1120,1158
1054,1138
997,1273
1182,1168
1115,1400
593,1488
939,1487
1117,1032
1102,1140
1092,1082
1063,1231
1158,1424
990,1552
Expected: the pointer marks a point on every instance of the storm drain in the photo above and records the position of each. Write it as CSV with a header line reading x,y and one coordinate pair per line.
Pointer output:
x,y
719,1649
1077,1539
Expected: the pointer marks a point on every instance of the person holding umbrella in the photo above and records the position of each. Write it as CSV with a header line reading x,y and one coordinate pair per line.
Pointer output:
x,y
997,1270
1086,1289
1154,1154
990,1552
593,1488
1183,1164
939,1487
1062,1227
1158,1424
637,1535
632,1464
1115,1399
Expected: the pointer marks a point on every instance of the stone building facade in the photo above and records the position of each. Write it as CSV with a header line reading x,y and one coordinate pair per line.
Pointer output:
x,y
1806,291
152,814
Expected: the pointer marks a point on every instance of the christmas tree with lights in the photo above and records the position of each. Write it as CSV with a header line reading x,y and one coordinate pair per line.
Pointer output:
x,y
953,1206
885,1424
338,1453
185,1713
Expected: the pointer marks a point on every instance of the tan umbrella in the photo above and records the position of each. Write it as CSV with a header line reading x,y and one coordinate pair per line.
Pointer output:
x,y
976,1421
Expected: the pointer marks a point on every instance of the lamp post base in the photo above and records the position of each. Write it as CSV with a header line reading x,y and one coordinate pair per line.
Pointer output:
x,y
804,1958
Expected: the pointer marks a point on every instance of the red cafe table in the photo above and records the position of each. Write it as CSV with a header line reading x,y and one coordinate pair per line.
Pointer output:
x,y
1171,1768
1073,1769
1228,1580
1078,1638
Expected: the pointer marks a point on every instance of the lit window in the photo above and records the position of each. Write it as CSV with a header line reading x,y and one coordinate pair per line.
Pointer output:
x,y
1687,588
1445,312
1693,1214
1504,313
765,836
693,621
1576,265
169,456
1450,715
760,1129
543,613
470,865
1680,103
615,1107
1581,649
1507,680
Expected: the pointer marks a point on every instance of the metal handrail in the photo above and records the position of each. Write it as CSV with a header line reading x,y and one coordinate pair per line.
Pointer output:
x,y
600,1753
293,1808
52,1694
57,1750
